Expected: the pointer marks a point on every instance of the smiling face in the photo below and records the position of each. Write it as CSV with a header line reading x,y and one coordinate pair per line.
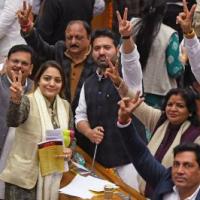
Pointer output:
x,y
77,40
176,110
50,83
103,47
186,172
19,61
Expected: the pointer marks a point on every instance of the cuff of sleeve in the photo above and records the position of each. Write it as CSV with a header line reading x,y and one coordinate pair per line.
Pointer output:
x,y
130,56
191,42
123,125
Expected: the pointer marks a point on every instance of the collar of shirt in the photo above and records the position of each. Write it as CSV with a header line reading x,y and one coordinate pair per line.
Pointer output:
x,y
74,61
175,195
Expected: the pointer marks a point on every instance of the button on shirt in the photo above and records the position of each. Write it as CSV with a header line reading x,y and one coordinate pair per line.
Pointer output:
x,y
175,195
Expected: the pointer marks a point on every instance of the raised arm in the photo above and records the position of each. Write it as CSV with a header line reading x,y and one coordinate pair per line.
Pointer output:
x,y
31,36
146,165
131,67
191,41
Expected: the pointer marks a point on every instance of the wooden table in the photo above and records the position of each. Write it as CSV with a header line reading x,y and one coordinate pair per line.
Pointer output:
x,y
105,173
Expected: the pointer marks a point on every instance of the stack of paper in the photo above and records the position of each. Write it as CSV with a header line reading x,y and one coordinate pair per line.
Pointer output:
x,y
82,186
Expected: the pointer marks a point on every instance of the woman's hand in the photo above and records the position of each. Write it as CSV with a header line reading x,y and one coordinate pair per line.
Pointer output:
x,y
185,18
125,26
16,88
67,154
25,17
127,107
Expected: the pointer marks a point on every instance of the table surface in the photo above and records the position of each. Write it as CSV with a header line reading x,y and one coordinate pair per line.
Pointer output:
x,y
124,191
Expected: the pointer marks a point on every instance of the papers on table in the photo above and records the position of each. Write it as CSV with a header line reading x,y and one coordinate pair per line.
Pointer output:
x,y
82,186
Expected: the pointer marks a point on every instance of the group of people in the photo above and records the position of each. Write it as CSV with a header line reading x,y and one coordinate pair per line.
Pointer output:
x,y
83,77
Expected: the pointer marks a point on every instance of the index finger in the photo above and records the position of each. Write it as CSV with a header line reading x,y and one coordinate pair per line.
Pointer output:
x,y
185,8
24,5
28,12
13,75
19,77
119,18
125,16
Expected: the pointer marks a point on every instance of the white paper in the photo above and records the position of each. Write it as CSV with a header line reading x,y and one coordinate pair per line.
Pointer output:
x,y
82,186
77,188
80,166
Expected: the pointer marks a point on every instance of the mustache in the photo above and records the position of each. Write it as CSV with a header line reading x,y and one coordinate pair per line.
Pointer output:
x,y
74,45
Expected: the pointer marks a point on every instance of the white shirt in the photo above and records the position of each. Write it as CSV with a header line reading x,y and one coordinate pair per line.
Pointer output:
x,y
175,195
193,50
132,75
9,26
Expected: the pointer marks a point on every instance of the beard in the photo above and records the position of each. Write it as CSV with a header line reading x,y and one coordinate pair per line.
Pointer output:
x,y
102,63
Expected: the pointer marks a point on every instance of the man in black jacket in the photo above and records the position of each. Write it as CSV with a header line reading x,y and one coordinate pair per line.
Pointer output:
x,y
182,181
73,54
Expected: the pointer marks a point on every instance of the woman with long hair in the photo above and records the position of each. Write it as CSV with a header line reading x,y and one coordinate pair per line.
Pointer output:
x,y
33,115
158,46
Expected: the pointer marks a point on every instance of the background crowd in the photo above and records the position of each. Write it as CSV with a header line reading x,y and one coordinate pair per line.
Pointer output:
x,y
135,76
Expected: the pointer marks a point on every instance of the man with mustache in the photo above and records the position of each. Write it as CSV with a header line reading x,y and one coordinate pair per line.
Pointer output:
x,y
73,54
181,181
19,59
96,114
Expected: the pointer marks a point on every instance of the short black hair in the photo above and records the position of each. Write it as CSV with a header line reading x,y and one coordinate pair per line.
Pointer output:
x,y
84,23
21,48
192,147
104,33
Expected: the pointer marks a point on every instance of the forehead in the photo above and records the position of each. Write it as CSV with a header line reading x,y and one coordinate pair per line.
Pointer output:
x,y
103,41
21,55
187,156
52,71
176,98
76,28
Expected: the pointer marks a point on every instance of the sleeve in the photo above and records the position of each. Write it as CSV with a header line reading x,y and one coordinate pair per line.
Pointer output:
x,y
193,50
81,110
151,116
47,20
99,6
71,119
174,66
131,69
8,15
146,165
18,113
43,49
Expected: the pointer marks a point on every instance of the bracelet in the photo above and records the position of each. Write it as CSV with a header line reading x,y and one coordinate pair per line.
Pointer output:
x,y
189,35
126,37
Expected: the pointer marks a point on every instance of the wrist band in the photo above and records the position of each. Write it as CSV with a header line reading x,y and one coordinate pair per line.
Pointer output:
x,y
189,35
126,37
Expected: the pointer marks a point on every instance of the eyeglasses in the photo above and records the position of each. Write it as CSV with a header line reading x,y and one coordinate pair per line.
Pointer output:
x,y
23,63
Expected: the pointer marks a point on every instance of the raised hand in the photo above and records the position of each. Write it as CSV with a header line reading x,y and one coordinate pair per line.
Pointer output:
x,y
125,26
25,16
127,107
185,18
16,87
113,74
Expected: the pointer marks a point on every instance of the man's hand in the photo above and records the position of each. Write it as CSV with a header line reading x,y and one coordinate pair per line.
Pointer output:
x,y
16,87
127,107
113,74
25,17
185,18
96,134
125,26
